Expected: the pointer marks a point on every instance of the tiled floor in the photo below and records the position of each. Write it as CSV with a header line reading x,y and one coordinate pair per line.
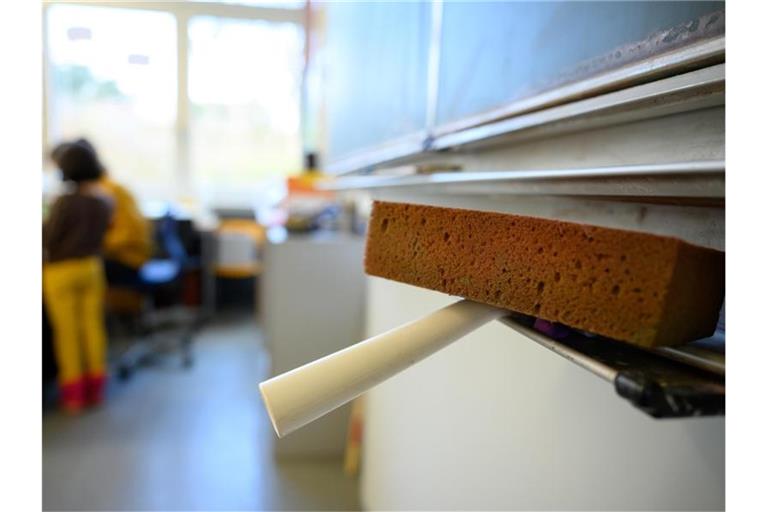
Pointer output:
x,y
200,439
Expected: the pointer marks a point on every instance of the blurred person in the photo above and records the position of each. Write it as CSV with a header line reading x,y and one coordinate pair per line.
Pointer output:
x,y
73,277
128,242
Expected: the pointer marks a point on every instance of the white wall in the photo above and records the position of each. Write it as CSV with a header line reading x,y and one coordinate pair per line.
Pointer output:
x,y
497,422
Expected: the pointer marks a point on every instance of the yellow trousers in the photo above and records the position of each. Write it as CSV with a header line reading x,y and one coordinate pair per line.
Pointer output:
x,y
74,297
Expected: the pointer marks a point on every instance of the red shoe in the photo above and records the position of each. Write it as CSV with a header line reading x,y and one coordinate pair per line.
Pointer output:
x,y
72,396
94,389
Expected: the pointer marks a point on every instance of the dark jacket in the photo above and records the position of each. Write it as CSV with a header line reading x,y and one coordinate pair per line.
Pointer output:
x,y
76,226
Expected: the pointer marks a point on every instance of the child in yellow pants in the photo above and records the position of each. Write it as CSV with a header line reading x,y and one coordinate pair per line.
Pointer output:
x,y
73,279
74,294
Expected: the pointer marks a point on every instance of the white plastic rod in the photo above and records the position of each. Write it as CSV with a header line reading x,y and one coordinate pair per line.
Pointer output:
x,y
304,394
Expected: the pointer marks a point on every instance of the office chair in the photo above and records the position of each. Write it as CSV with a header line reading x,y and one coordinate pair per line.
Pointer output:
x,y
161,284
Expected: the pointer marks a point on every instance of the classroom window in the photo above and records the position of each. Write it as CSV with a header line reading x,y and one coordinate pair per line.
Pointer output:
x,y
112,79
244,92
112,75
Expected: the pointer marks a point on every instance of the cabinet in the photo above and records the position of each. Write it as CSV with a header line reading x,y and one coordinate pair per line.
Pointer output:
x,y
312,300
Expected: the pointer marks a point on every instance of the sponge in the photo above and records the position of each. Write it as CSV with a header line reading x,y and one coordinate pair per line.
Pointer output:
x,y
644,289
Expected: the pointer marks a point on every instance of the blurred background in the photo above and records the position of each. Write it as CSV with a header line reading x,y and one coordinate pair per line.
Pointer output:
x,y
200,111
238,133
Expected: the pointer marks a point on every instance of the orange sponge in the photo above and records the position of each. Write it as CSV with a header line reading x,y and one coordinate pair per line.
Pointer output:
x,y
636,287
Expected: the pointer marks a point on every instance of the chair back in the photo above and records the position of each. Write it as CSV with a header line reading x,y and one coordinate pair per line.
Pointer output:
x,y
170,240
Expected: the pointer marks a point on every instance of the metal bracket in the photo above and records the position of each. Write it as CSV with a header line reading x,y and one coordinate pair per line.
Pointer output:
x,y
656,381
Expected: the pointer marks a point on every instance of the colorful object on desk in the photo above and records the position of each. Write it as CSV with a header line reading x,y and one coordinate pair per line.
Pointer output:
x,y
307,206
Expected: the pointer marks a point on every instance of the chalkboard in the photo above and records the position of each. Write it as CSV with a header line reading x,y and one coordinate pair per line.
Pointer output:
x,y
376,75
493,53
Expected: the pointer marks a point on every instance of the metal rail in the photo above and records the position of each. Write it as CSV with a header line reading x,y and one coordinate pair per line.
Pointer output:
x,y
700,168
669,382
693,90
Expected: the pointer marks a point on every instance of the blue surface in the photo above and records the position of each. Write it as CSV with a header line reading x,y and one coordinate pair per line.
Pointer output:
x,y
377,72
493,53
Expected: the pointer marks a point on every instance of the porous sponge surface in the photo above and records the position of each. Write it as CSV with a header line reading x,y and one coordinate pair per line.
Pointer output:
x,y
608,281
